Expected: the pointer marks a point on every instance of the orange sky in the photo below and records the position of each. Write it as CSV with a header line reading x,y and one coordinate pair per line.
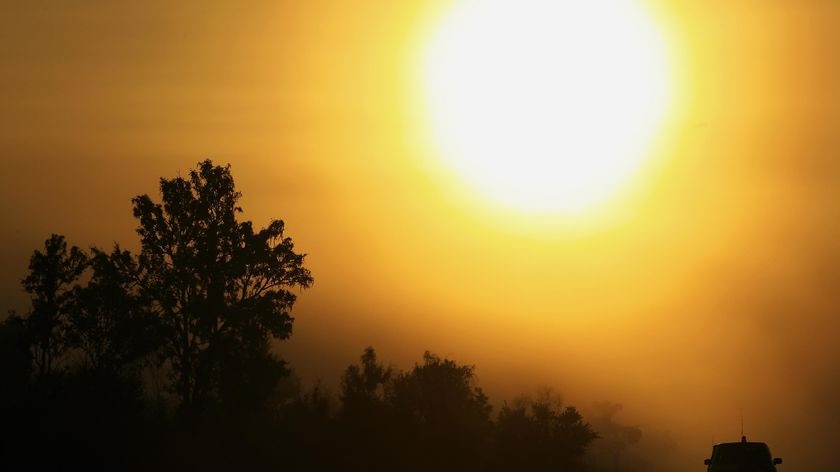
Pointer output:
x,y
715,290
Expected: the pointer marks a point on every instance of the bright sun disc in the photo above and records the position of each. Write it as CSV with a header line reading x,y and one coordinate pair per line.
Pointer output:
x,y
546,105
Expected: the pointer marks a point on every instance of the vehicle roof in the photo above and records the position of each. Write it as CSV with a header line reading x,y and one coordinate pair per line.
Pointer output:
x,y
740,443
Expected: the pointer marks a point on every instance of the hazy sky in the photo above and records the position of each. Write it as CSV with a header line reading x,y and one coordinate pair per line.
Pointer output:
x,y
715,291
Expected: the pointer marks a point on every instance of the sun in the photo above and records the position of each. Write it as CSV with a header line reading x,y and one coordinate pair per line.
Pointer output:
x,y
546,106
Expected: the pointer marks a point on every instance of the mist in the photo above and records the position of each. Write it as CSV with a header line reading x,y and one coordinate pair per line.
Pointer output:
x,y
707,294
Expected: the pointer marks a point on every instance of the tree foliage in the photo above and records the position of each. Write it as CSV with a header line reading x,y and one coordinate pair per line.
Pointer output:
x,y
203,301
53,274
441,398
219,288
363,385
442,416
540,434
614,437
107,321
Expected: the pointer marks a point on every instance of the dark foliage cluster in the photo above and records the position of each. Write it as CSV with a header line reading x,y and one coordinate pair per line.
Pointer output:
x,y
162,360
434,417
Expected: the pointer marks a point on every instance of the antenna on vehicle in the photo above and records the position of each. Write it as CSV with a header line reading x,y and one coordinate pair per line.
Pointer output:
x,y
743,437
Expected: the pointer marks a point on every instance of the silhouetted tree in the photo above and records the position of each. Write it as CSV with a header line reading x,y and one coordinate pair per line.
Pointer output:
x,y
368,430
107,321
443,413
539,435
363,385
218,287
52,276
206,297
248,374
655,452
613,437
79,414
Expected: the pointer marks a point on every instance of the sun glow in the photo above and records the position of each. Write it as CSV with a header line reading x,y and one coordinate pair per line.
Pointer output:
x,y
546,106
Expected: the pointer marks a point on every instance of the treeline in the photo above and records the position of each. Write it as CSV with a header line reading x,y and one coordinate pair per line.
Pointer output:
x,y
163,360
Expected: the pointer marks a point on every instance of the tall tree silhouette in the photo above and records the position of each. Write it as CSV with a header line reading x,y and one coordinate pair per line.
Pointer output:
x,y
363,385
52,276
220,288
107,321
369,438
